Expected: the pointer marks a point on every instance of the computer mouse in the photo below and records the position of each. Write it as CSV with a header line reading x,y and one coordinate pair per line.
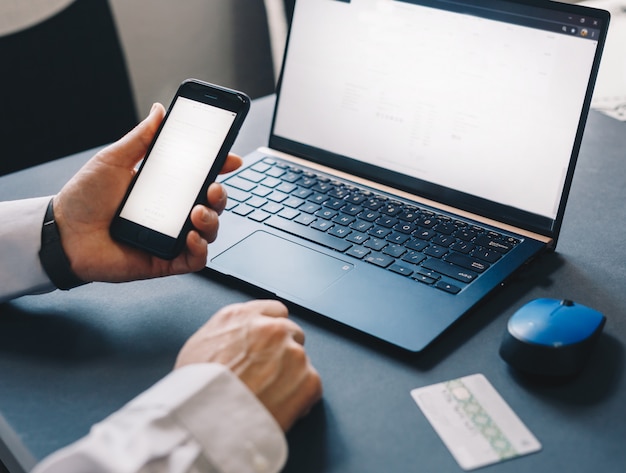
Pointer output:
x,y
551,337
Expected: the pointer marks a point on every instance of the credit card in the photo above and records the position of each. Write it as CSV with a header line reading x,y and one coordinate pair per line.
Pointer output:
x,y
477,426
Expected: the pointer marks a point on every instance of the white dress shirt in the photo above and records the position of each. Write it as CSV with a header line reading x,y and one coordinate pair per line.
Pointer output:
x,y
199,418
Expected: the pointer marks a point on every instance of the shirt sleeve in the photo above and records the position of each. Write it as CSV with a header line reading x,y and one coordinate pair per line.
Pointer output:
x,y
21,272
200,418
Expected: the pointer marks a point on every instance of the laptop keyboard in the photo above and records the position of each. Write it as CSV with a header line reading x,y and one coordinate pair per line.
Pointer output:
x,y
429,247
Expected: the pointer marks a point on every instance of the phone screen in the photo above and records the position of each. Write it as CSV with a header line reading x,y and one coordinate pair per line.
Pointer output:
x,y
177,165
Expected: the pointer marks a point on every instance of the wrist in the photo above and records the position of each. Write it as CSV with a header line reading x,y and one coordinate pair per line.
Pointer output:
x,y
53,258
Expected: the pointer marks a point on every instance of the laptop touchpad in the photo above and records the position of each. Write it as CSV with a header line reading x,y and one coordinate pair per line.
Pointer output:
x,y
281,266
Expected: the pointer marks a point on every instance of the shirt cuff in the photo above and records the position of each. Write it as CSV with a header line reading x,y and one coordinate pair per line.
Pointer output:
x,y
21,272
233,427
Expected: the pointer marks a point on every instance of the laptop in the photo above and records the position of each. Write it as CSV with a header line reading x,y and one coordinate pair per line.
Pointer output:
x,y
421,152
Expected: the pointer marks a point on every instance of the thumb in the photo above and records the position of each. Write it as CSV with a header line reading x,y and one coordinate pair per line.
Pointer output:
x,y
132,147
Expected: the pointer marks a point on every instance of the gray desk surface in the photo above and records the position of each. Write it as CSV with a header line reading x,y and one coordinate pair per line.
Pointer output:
x,y
68,359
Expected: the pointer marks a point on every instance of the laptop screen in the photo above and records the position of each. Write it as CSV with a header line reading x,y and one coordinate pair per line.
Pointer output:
x,y
479,105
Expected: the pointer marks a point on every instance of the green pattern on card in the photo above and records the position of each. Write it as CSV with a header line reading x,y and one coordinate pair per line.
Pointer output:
x,y
480,420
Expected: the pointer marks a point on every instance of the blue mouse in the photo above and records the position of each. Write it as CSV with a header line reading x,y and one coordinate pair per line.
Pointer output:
x,y
551,337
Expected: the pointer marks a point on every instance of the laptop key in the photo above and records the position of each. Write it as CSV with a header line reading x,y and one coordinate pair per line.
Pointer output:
x,y
358,252
256,202
305,219
408,215
258,215
434,275
451,270
416,245
321,225
397,238
286,188
361,226
422,278
270,182
343,219
356,198
302,193
462,246
405,227
400,269
262,191
326,214
379,259
237,194
290,177
444,286
357,237
272,207
288,213
394,250
293,202
386,221
491,256
369,215
493,243
251,175
375,243
351,210
275,172
243,210
240,183
261,166
379,232
391,208
466,262
414,257
339,231
424,234
309,208
435,251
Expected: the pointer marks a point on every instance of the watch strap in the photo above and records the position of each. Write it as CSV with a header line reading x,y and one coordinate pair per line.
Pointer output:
x,y
52,255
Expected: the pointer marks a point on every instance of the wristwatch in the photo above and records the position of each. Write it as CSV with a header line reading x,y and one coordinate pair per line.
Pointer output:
x,y
53,257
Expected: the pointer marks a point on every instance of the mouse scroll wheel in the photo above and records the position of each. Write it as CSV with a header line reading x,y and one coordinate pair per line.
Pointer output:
x,y
567,303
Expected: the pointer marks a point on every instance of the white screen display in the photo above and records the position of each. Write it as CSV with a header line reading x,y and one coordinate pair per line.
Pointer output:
x,y
177,166
476,105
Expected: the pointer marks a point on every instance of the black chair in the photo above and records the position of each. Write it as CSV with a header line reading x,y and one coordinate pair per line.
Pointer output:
x,y
289,6
64,87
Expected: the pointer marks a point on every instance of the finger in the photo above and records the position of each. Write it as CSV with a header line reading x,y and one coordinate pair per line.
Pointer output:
x,y
295,330
217,197
132,147
197,246
232,163
194,256
206,222
277,310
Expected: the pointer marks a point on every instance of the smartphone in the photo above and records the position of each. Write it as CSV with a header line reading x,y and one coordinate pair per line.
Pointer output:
x,y
185,157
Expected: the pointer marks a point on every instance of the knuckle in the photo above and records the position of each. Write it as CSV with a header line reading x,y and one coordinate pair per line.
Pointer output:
x,y
275,330
298,355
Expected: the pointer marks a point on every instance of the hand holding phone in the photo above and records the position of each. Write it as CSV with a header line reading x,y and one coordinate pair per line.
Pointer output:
x,y
186,155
